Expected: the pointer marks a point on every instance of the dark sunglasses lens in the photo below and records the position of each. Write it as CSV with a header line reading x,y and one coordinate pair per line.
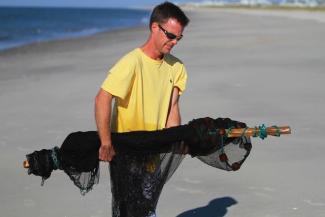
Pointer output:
x,y
170,36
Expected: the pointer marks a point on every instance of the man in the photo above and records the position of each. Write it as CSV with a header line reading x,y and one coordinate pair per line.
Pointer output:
x,y
146,84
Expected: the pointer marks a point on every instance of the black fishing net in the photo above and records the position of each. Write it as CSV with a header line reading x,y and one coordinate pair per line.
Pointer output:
x,y
137,181
143,158
77,157
43,162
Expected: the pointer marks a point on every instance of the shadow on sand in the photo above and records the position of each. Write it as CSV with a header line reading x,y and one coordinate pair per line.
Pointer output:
x,y
216,208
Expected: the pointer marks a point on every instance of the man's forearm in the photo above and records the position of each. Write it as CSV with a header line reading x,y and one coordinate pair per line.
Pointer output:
x,y
102,121
174,115
102,115
174,118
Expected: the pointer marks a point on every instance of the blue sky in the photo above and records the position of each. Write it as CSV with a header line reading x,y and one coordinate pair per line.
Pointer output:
x,y
85,3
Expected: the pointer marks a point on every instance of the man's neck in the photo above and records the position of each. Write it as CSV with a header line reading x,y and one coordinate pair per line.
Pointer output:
x,y
150,50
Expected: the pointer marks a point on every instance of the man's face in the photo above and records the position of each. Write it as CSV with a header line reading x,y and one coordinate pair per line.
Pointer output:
x,y
167,35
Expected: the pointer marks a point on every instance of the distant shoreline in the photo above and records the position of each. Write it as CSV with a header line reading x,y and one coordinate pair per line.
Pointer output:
x,y
32,45
257,7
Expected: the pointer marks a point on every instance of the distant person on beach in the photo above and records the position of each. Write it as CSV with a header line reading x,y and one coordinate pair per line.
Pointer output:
x,y
146,85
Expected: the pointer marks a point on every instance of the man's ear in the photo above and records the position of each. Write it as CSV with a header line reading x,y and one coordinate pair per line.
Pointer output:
x,y
154,27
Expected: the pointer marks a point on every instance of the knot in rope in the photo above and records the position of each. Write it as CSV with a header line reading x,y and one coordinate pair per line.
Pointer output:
x,y
260,132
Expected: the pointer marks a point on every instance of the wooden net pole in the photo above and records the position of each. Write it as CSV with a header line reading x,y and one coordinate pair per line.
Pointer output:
x,y
255,131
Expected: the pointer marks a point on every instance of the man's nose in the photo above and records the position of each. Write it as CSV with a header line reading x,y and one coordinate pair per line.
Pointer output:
x,y
175,41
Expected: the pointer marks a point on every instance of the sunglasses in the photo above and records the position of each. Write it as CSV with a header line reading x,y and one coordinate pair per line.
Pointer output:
x,y
170,35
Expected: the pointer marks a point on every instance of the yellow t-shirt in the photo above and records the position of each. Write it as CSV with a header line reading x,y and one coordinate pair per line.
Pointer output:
x,y
143,88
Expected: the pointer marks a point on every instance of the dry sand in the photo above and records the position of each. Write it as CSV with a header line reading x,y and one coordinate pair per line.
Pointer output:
x,y
242,64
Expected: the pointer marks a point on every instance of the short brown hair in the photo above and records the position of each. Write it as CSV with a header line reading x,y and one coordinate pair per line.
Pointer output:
x,y
162,12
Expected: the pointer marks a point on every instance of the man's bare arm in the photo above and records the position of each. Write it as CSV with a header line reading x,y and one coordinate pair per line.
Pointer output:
x,y
174,117
103,104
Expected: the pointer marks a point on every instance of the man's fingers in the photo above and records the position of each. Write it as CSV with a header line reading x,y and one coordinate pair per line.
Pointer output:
x,y
106,153
103,152
111,153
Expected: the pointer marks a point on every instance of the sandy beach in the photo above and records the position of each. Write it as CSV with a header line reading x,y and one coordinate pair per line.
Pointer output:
x,y
259,67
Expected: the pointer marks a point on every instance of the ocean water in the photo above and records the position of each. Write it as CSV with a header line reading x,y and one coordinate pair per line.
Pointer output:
x,y
21,26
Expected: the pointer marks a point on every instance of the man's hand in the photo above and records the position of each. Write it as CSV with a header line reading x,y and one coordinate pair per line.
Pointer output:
x,y
106,152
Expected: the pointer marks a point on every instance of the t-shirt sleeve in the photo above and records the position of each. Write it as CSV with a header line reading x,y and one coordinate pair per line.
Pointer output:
x,y
181,79
119,79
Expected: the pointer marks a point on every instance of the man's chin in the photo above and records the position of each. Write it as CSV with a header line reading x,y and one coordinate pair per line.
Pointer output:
x,y
166,51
